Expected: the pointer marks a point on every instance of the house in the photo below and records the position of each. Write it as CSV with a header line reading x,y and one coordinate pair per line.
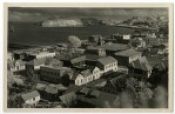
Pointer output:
x,y
53,74
36,63
40,55
71,61
138,42
31,98
86,76
96,73
18,65
111,48
127,56
107,64
140,68
33,66
83,77
32,53
95,50
19,55
91,59
122,38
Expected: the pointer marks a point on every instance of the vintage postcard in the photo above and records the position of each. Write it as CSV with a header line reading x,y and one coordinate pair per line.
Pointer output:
x,y
88,57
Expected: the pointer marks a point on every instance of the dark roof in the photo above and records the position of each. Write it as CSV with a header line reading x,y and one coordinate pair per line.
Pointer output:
x,y
30,95
115,46
92,57
107,60
141,63
37,62
61,70
128,53
50,68
78,59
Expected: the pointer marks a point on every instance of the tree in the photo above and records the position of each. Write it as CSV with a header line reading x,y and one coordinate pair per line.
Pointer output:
x,y
74,41
126,99
160,97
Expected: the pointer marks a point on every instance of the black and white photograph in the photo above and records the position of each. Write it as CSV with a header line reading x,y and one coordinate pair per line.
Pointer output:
x,y
88,57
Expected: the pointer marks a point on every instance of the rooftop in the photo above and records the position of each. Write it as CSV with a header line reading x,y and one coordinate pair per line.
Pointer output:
x,y
40,86
114,46
107,60
92,57
30,95
51,89
128,53
36,62
78,59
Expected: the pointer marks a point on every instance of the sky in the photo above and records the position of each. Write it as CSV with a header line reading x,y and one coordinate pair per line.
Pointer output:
x,y
29,14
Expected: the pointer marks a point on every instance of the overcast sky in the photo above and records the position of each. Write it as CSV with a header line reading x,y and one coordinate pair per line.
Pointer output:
x,y
40,14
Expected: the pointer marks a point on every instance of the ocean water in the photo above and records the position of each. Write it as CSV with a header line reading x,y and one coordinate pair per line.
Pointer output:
x,y
30,34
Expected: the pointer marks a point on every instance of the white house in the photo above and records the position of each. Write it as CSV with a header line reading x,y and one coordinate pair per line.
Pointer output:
x,y
108,64
31,98
96,73
45,54
87,76
18,65
126,36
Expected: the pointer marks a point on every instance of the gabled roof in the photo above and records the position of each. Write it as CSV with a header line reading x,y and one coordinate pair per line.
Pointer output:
x,y
107,60
128,53
30,95
142,64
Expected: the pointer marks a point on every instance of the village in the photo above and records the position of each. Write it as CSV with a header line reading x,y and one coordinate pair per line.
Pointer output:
x,y
95,73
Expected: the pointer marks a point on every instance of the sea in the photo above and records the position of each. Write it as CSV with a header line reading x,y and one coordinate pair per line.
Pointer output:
x,y
31,34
